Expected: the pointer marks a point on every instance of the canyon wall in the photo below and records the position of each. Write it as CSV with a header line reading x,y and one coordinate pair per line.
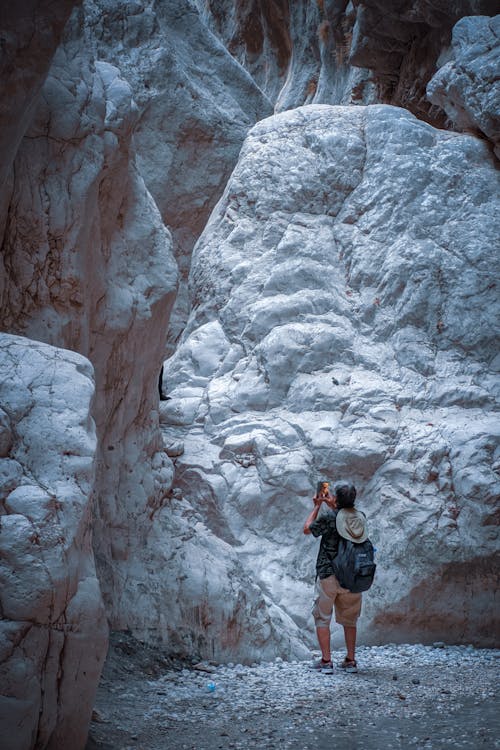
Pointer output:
x,y
341,52
466,86
341,321
31,32
195,106
53,627
88,265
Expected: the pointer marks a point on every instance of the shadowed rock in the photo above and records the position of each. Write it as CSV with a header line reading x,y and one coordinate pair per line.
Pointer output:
x,y
466,86
87,264
31,31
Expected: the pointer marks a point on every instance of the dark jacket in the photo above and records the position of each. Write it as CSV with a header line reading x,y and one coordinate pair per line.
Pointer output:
x,y
325,527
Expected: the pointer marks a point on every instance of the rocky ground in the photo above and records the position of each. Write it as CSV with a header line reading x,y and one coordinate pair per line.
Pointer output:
x,y
404,696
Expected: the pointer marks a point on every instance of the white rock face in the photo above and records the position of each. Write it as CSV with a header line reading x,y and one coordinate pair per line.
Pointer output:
x,y
53,628
466,86
195,106
88,265
343,326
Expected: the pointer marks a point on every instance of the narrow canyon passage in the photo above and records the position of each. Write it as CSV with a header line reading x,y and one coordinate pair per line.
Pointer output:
x,y
289,209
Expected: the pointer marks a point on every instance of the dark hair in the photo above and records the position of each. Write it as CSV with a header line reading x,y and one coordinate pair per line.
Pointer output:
x,y
345,494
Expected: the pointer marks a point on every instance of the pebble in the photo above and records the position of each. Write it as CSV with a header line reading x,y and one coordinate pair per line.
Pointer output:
x,y
248,699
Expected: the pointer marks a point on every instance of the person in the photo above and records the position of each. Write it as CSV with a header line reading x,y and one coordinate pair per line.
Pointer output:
x,y
163,397
341,516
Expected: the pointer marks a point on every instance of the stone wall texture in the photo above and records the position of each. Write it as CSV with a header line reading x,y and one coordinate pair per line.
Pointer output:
x,y
341,52
53,627
344,324
466,86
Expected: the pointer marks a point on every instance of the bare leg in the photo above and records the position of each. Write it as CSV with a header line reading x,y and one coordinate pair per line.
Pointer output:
x,y
323,635
350,641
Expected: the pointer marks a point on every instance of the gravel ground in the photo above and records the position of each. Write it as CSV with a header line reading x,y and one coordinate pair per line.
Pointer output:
x,y
402,697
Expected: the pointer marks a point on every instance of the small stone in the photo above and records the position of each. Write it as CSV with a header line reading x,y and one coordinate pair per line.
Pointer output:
x,y
174,450
204,667
394,677
416,681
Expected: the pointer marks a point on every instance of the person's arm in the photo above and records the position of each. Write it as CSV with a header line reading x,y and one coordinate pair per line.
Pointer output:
x,y
313,514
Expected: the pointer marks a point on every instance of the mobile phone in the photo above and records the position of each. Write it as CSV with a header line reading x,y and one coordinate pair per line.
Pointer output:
x,y
322,489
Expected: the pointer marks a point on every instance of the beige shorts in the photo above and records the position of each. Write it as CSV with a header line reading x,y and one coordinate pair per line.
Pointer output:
x,y
330,594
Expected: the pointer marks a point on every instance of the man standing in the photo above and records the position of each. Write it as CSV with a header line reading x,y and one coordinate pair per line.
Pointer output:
x,y
330,593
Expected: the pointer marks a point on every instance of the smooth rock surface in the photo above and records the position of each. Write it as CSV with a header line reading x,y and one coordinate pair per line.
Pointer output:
x,y
195,107
88,265
53,631
298,53
345,309
467,86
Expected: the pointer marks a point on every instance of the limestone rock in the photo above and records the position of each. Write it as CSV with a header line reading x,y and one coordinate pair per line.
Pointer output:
x,y
338,52
296,52
88,265
401,44
344,314
195,107
194,596
466,86
53,628
31,31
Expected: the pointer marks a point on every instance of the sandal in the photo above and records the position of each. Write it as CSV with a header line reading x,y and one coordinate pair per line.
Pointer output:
x,y
349,665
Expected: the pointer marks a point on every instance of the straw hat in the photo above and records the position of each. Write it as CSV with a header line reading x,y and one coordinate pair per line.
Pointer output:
x,y
351,524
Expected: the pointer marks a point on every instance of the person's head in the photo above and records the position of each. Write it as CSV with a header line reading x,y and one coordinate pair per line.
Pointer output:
x,y
345,494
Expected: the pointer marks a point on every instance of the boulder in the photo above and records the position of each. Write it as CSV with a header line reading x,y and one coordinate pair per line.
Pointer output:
x,y
343,326
53,628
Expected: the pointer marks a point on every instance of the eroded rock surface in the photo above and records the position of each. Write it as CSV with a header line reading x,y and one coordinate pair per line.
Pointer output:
x,y
298,52
53,629
87,264
401,46
195,107
340,52
345,305
467,86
